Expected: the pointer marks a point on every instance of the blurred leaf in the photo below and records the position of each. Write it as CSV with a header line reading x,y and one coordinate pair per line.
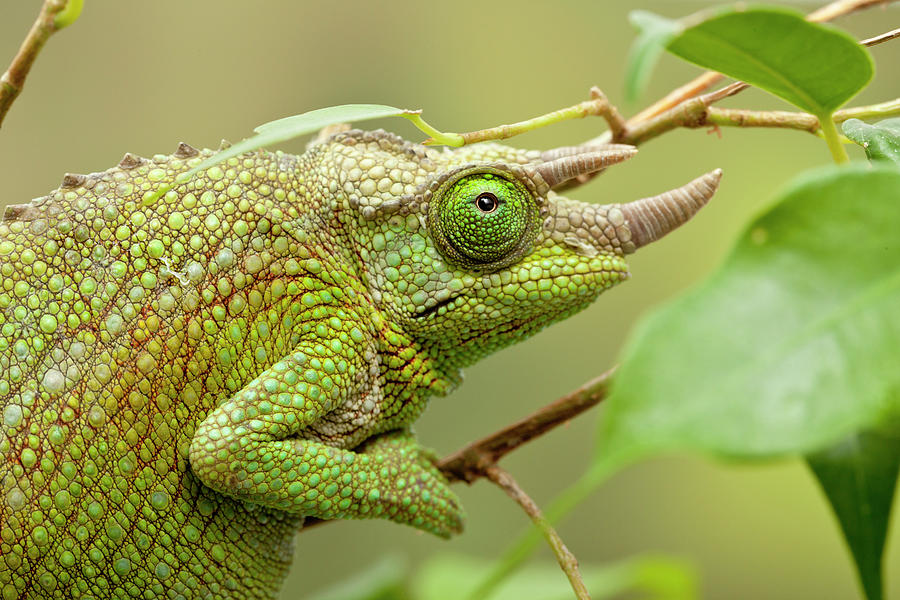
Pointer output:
x,y
385,580
288,128
789,347
654,33
881,140
859,476
815,67
309,122
454,577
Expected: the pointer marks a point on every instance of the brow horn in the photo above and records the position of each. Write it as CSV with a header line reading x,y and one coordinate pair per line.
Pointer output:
x,y
563,151
649,219
562,164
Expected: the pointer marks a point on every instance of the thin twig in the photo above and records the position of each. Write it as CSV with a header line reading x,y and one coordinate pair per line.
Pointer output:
x,y
708,79
567,561
45,25
610,113
878,39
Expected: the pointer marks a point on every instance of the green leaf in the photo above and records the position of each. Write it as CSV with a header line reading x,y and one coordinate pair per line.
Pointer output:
x,y
454,576
789,347
859,476
282,130
881,140
815,67
655,33
288,128
385,580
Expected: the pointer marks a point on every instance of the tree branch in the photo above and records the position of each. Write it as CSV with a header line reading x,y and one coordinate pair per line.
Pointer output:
x,y
695,113
54,15
474,460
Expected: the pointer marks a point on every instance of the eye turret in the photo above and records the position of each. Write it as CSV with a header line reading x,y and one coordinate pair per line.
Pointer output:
x,y
483,218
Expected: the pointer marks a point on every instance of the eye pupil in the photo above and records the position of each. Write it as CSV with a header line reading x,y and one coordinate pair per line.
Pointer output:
x,y
486,202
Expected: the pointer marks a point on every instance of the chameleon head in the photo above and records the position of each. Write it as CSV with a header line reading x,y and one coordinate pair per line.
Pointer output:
x,y
483,253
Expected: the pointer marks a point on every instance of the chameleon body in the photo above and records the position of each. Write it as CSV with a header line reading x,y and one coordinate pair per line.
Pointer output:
x,y
184,379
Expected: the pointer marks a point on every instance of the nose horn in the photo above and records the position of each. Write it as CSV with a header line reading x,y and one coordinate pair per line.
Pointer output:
x,y
649,219
562,164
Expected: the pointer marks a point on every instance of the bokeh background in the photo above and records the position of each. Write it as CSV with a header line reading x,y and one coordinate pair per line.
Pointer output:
x,y
140,77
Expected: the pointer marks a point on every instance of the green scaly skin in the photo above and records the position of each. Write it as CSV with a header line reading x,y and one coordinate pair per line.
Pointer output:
x,y
183,380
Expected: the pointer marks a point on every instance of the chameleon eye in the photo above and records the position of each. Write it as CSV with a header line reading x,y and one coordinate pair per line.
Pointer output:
x,y
486,202
483,218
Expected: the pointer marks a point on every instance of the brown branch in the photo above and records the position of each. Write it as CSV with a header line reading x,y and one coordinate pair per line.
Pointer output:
x,y
695,113
677,96
46,24
567,561
469,463
609,112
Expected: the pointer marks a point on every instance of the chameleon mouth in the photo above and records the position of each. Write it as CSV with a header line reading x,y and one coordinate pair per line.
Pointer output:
x,y
431,310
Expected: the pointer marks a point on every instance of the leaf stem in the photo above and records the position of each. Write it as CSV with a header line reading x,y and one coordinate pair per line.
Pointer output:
x,y
883,109
598,105
502,132
437,137
830,132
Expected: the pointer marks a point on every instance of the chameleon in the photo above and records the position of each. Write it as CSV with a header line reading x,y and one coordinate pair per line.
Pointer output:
x,y
186,377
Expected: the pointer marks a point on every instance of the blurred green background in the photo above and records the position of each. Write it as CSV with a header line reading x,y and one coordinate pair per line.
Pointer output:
x,y
140,77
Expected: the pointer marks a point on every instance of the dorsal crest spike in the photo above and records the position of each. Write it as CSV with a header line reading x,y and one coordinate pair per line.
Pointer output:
x,y
185,150
130,161
224,145
73,180
21,212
